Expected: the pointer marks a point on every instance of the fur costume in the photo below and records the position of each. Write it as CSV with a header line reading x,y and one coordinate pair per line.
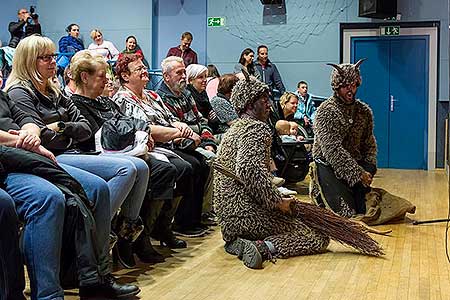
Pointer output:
x,y
343,136
247,203
344,132
250,212
344,143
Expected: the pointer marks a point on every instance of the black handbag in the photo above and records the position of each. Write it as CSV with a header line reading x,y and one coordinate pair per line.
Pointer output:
x,y
119,132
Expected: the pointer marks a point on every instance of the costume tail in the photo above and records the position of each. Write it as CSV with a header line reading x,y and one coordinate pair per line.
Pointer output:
x,y
340,229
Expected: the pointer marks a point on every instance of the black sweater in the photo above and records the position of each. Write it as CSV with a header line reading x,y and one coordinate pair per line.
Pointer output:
x,y
46,110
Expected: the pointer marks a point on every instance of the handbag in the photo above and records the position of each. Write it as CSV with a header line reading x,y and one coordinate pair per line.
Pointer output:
x,y
119,132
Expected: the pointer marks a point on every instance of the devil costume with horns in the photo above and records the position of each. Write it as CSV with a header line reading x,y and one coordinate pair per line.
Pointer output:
x,y
344,147
248,205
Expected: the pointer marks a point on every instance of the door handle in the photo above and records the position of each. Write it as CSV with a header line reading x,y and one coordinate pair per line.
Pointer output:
x,y
392,103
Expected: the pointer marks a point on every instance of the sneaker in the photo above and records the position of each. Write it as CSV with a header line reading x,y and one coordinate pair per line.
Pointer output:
x,y
252,253
278,181
286,192
190,232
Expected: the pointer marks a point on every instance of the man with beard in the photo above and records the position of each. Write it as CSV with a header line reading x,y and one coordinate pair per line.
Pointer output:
x,y
344,147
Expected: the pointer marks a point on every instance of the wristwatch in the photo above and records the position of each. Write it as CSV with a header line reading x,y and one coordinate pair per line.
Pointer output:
x,y
61,126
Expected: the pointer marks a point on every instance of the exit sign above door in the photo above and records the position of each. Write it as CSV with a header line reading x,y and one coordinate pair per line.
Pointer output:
x,y
390,30
216,21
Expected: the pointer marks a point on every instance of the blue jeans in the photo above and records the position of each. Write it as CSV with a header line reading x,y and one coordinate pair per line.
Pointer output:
x,y
126,176
40,205
12,281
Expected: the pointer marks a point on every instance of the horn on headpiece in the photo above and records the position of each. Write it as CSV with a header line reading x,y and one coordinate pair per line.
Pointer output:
x,y
359,62
339,69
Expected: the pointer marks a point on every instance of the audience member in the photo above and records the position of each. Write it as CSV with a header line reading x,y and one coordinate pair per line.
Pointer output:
x,y
306,110
135,101
288,131
183,108
246,63
268,72
288,105
184,50
181,103
102,47
212,81
157,217
71,42
68,45
221,102
196,78
344,150
69,84
26,25
132,47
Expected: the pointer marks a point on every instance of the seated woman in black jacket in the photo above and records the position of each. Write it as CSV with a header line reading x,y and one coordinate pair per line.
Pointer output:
x,y
196,76
89,73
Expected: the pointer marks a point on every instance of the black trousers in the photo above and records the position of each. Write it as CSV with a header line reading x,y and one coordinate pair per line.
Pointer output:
x,y
191,187
12,281
340,197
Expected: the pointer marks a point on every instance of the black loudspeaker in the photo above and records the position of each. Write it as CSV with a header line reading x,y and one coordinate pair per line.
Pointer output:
x,y
269,2
378,9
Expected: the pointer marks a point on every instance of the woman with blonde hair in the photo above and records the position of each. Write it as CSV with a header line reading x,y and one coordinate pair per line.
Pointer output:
x,y
288,105
31,89
102,47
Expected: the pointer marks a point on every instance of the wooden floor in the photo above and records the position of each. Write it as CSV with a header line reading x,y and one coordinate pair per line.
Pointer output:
x,y
414,267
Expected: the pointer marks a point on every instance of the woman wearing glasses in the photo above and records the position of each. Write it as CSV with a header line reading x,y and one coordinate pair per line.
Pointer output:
x,y
32,90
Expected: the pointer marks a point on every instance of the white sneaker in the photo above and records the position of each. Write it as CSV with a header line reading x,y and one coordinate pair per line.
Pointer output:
x,y
278,181
286,192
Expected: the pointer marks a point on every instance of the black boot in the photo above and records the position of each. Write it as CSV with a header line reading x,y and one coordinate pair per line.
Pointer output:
x,y
108,288
127,231
162,230
145,251
169,240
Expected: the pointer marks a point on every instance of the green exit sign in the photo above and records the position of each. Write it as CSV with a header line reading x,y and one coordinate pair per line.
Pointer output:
x,y
216,21
390,30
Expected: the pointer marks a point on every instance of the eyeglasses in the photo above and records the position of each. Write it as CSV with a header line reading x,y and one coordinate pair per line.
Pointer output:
x,y
48,57
140,69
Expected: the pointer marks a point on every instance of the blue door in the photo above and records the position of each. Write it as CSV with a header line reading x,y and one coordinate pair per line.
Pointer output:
x,y
395,85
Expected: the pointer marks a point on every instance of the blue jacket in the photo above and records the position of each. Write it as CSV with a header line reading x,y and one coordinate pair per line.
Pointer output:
x,y
70,44
270,76
305,108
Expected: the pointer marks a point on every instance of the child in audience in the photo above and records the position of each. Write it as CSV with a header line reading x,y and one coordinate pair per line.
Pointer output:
x,y
288,131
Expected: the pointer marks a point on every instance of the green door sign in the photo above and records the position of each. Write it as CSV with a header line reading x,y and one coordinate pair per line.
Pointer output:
x,y
390,30
216,21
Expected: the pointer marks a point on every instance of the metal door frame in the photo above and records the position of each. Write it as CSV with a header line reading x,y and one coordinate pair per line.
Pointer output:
x,y
430,29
